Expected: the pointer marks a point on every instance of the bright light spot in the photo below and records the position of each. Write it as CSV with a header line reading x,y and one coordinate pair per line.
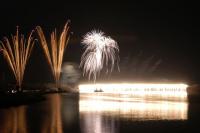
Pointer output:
x,y
132,108
176,90
135,102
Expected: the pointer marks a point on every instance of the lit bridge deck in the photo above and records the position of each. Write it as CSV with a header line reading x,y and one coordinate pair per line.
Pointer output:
x,y
179,90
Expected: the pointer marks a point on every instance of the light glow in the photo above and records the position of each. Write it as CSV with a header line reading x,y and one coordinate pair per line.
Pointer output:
x,y
177,90
133,108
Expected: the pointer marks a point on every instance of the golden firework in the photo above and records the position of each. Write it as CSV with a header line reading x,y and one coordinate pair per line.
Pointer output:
x,y
54,54
17,52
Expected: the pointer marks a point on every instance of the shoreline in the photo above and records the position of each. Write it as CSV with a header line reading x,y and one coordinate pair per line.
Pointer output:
x,y
28,96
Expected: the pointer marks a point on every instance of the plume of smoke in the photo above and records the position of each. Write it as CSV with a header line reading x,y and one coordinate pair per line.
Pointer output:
x,y
70,73
17,52
99,50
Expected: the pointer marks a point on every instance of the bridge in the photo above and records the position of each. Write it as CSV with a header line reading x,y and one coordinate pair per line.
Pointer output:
x,y
136,88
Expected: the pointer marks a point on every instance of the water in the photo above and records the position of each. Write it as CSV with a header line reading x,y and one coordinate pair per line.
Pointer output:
x,y
101,113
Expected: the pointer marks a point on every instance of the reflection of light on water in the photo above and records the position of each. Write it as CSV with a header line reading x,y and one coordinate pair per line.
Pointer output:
x,y
177,90
133,108
13,120
99,110
52,120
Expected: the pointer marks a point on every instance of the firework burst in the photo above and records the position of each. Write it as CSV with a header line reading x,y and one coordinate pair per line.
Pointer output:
x,y
99,50
17,52
55,53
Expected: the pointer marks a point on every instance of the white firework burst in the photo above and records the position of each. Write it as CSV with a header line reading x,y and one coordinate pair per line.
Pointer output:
x,y
99,50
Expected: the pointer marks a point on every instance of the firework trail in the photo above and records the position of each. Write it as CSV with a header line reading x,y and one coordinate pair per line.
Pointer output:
x,y
99,50
17,52
55,53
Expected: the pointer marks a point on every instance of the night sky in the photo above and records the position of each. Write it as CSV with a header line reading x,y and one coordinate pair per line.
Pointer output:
x,y
157,40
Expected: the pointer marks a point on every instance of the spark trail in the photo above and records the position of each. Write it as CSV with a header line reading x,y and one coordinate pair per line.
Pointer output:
x,y
17,52
99,50
55,53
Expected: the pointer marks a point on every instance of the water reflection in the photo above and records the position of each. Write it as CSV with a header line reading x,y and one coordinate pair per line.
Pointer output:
x,y
94,122
52,122
90,113
133,108
56,114
100,112
13,120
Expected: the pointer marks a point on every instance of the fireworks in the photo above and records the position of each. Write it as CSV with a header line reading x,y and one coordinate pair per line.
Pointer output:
x,y
55,56
99,50
17,55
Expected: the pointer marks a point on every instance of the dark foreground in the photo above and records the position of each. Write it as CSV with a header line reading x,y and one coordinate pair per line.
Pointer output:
x,y
74,113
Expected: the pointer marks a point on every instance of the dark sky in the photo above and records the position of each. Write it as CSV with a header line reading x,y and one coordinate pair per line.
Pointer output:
x,y
158,40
